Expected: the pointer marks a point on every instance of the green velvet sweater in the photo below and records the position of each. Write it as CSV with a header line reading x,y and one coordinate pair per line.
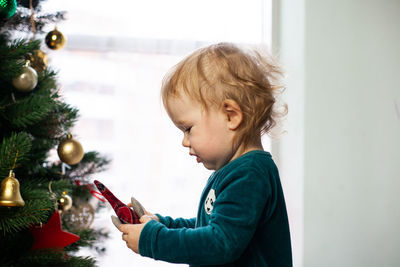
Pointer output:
x,y
241,221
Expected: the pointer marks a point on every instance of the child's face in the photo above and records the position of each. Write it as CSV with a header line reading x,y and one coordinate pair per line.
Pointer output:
x,y
206,133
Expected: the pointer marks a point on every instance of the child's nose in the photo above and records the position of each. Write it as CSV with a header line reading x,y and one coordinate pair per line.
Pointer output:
x,y
185,141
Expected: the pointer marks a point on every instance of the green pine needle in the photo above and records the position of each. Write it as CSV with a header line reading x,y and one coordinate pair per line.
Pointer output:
x,y
13,151
30,110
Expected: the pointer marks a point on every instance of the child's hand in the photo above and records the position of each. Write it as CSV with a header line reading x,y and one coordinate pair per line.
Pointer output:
x,y
141,211
131,233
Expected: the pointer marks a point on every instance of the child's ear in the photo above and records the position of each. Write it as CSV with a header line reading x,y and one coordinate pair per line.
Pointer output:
x,y
233,113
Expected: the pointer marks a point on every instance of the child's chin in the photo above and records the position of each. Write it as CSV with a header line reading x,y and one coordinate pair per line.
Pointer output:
x,y
208,167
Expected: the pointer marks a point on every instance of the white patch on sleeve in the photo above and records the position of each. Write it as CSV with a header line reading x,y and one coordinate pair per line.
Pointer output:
x,y
209,203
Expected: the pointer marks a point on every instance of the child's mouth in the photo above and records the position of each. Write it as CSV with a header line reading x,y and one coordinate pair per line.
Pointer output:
x,y
197,157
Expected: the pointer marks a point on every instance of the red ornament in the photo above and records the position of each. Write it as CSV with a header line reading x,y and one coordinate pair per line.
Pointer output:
x,y
51,235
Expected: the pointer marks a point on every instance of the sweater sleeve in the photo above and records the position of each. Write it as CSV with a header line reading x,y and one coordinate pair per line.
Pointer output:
x,y
232,223
176,223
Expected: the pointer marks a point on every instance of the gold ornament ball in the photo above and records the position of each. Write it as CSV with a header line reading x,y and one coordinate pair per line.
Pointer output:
x,y
38,60
26,81
70,151
55,39
64,202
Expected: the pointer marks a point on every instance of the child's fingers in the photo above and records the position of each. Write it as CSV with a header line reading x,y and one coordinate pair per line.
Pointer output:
x,y
116,221
137,207
145,218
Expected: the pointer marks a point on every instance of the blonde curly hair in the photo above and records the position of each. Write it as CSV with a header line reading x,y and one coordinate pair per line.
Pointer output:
x,y
223,71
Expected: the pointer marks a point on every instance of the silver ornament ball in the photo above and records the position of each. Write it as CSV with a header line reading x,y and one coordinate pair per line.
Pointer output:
x,y
26,81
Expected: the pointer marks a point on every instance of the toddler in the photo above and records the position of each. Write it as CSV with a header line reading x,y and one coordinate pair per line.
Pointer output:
x,y
223,99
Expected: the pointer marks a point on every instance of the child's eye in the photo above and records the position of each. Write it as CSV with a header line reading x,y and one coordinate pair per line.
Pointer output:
x,y
187,129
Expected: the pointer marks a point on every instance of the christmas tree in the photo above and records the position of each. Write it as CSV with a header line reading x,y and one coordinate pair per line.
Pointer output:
x,y
45,214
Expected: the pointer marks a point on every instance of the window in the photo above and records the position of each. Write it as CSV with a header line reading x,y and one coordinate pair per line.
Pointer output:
x,y
116,55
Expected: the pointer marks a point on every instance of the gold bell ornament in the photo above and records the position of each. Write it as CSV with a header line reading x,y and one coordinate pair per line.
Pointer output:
x,y
64,203
70,151
55,39
9,192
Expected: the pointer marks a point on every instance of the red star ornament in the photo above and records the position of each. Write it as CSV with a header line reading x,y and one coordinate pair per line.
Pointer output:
x,y
51,235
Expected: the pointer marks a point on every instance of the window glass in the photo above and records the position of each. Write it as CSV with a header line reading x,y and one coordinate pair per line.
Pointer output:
x,y
116,55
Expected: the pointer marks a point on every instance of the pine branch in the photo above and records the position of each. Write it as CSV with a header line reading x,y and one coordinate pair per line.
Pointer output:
x,y
57,123
50,258
60,186
29,110
39,205
16,219
87,238
14,150
21,21
12,56
90,164
17,48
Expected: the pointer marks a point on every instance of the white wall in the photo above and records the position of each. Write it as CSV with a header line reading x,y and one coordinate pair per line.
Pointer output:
x,y
343,140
